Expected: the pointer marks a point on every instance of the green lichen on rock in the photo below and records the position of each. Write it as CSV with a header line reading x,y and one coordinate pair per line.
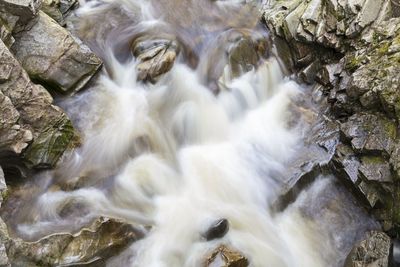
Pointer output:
x,y
50,145
376,69
40,131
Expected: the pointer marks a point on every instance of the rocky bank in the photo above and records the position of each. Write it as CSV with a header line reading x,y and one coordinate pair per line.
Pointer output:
x,y
348,51
40,58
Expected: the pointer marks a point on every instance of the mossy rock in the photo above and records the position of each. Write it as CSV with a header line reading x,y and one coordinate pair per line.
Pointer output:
x,y
50,145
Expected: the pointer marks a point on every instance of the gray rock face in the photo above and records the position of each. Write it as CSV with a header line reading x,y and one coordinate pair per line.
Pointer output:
x,y
13,138
353,46
53,57
370,133
326,23
374,251
58,9
396,8
370,177
29,113
95,244
25,10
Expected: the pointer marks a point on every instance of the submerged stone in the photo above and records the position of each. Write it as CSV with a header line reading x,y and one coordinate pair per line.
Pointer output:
x,y
217,230
242,57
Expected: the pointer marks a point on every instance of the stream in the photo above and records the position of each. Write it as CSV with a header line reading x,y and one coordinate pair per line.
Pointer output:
x,y
217,137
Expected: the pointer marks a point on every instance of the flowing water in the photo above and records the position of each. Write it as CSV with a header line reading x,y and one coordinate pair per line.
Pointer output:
x,y
174,156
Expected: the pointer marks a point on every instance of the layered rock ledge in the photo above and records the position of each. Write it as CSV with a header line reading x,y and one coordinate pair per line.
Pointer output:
x,y
349,51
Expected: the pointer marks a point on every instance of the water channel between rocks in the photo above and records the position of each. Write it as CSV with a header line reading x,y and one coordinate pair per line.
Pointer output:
x,y
220,135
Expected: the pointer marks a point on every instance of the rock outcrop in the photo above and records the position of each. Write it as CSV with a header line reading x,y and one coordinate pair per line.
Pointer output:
x,y
19,11
34,46
373,251
53,57
349,50
30,117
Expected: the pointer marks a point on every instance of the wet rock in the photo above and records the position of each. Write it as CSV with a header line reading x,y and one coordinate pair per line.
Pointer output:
x,y
226,257
103,239
356,175
327,75
239,52
53,57
156,57
370,133
309,73
242,57
360,77
371,181
373,251
326,135
217,230
37,118
346,163
320,144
